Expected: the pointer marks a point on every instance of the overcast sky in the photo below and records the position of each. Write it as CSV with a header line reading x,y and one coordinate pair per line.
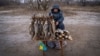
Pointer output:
x,y
22,1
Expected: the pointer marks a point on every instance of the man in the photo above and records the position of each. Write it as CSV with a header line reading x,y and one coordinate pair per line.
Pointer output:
x,y
58,18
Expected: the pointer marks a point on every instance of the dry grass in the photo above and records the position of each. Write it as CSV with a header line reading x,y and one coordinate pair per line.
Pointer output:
x,y
67,10
69,13
80,8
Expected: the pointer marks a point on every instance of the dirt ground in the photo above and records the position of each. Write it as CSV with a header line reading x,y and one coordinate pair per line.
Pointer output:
x,y
16,41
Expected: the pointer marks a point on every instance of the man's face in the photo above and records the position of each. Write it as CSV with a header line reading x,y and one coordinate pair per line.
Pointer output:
x,y
55,10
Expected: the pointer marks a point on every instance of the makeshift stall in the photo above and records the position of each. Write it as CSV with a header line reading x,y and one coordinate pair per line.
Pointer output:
x,y
43,29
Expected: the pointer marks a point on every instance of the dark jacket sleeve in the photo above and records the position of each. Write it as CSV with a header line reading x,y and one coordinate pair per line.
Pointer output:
x,y
61,18
50,14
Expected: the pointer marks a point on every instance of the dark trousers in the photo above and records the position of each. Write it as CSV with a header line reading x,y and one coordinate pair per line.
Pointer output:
x,y
60,26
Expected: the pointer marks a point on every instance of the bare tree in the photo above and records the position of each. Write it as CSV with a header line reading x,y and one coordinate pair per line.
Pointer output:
x,y
83,2
40,4
4,2
45,4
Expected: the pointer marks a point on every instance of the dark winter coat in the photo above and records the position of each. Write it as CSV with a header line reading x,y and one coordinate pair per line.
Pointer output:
x,y
58,17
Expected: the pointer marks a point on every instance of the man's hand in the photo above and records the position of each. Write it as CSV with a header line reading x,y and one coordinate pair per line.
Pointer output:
x,y
57,23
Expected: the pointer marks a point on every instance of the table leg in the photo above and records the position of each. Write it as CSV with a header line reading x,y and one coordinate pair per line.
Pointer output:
x,y
43,53
61,43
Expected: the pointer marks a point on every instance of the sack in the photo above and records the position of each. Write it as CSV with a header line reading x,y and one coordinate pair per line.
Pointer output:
x,y
51,44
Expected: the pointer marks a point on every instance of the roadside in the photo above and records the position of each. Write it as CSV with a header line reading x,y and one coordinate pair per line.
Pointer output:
x,y
16,41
